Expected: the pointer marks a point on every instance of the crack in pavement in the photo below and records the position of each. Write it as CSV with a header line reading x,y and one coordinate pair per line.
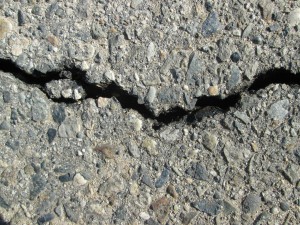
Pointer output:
x,y
205,105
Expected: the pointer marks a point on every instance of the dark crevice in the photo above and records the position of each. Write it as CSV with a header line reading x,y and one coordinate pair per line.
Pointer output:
x,y
205,106
274,76
2,221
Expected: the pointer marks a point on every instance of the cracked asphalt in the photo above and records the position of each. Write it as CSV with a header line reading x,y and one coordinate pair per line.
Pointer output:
x,y
163,112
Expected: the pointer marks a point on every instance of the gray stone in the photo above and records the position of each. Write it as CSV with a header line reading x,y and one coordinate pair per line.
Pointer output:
x,y
211,25
58,113
4,203
51,10
133,149
168,96
284,206
279,109
6,96
151,94
39,110
170,134
69,128
262,218
36,10
210,207
228,208
72,212
195,68
147,181
224,51
13,144
235,77
210,141
251,203
97,31
163,179
45,218
5,125
242,116
39,183
198,172
66,177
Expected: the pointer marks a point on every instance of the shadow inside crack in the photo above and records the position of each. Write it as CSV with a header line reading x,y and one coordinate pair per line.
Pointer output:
x,y
206,106
274,76
2,221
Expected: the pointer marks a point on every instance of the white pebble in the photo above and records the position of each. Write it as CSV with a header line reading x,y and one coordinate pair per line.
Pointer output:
x,y
294,17
79,180
144,216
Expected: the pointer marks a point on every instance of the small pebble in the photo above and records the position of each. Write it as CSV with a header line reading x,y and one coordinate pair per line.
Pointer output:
x,y
294,17
172,191
5,27
235,57
213,90
21,18
106,150
144,216
79,180
284,206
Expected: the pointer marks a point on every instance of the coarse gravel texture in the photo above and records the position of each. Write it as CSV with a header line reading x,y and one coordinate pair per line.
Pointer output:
x,y
149,112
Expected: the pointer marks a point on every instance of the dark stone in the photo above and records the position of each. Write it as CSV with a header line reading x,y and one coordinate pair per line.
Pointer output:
x,y
45,218
39,184
151,222
164,177
58,114
197,171
210,25
209,6
66,177
21,18
6,96
14,115
257,40
284,206
212,208
98,58
51,133
13,144
235,57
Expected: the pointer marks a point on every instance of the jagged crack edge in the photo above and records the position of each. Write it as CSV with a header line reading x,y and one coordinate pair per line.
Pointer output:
x,y
205,106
